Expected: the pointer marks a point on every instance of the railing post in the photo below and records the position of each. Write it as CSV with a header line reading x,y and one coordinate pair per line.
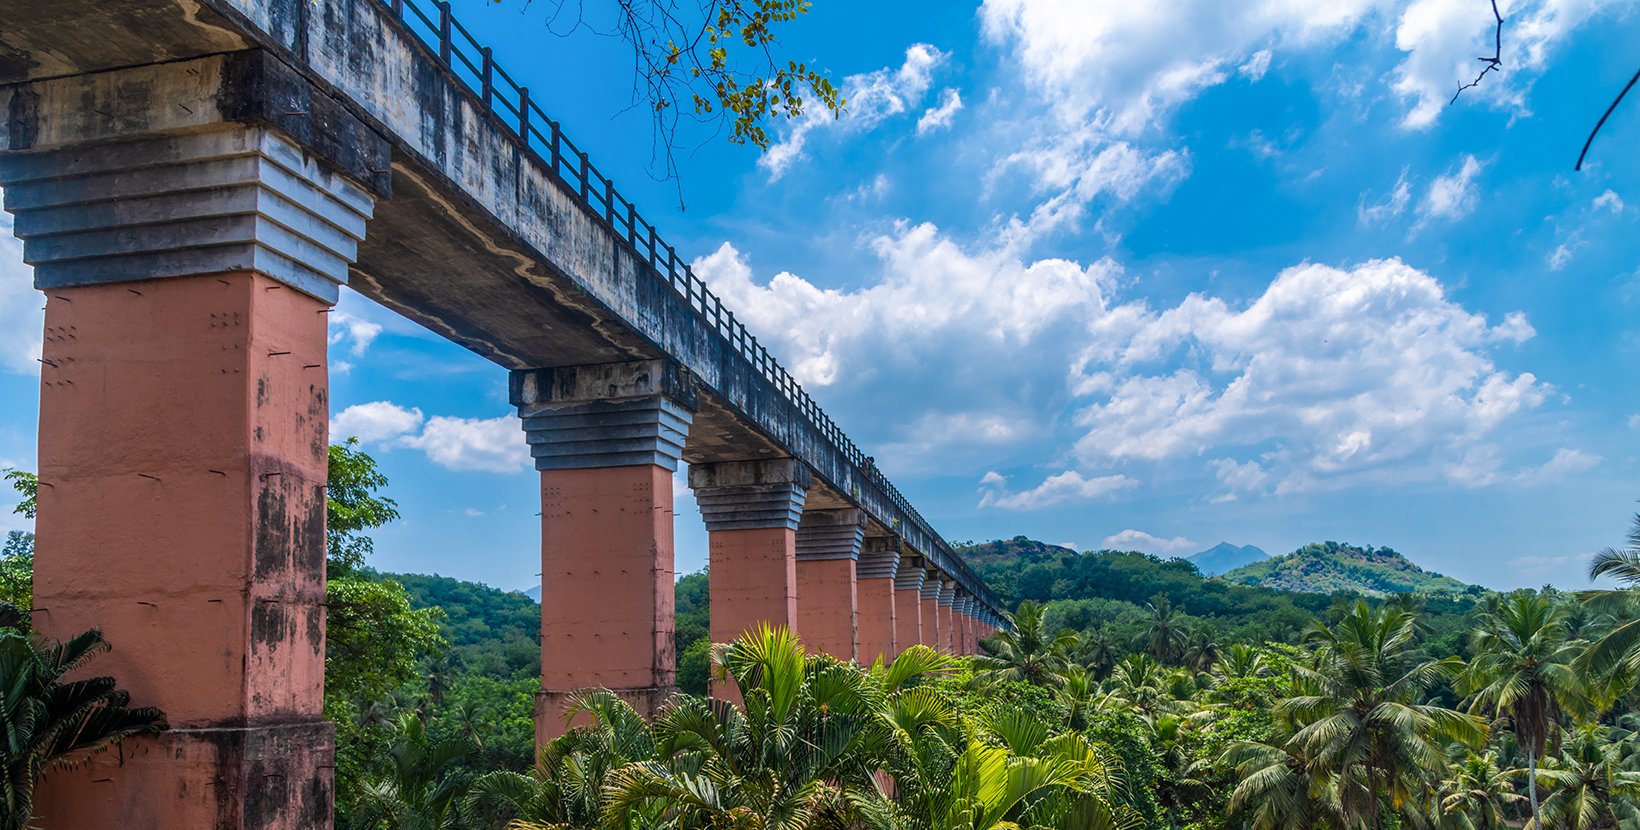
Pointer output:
x,y
584,183
489,64
555,152
444,33
398,9
524,116
609,203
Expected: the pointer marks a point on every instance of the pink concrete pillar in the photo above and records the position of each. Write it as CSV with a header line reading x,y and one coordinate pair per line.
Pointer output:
x,y
606,439
950,639
931,630
182,449
751,509
908,624
828,550
879,563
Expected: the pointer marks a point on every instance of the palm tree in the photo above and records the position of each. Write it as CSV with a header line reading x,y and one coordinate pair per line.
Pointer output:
x,y
1592,791
1202,648
48,723
1522,669
419,789
1098,652
1277,789
1618,652
1026,653
1145,688
1362,719
1475,796
1164,637
1241,661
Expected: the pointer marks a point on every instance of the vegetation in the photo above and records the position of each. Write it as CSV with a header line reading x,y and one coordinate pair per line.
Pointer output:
x,y
1330,566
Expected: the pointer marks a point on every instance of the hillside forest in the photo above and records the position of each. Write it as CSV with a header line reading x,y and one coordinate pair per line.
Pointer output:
x,y
1132,692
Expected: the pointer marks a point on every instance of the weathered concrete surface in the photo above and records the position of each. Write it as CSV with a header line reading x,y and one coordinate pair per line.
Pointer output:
x,y
182,510
606,588
826,610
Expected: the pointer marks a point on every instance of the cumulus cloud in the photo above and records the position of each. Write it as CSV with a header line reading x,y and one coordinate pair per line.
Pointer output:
x,y
494,445
1452,196
1610,201
1257,65
1346,376
1145,543
356,332
940,117
22,320
1566,463
872,98
1066,486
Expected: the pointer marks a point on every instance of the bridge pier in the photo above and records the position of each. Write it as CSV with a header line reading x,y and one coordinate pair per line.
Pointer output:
x,y
182,443
828,550
879,613
908,615
752,510
931,629
606,440
948,616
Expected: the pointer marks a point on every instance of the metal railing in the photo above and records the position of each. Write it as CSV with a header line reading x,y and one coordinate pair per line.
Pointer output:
x,y
502,96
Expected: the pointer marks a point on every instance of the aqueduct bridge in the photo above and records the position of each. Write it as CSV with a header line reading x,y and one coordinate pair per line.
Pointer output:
x,y
193,180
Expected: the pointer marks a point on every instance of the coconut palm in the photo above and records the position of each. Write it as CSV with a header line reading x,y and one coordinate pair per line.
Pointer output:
x,y
1202,648
1475,795
1097,652
1363,720
1277,789
1026,653
49,723
1591,790
1617,652
1241,661
1522,669
1164,635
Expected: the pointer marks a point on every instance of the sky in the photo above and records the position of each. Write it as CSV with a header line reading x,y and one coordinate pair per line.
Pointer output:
x,y
1139,275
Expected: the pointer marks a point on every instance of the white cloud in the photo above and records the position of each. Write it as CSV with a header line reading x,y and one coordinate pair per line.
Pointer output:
x,y
872,98
1245,477
939,118
1257,65
1348,376
473,511
374,423
1452,196
1392,205
1562,254
1128,63
1067,486
1610,201
1144,542
22,320
357,331
494,445
1634,421
1567,462
1079,164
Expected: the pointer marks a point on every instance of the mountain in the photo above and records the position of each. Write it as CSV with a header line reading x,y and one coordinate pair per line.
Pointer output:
x,y
1225,557
1330,566
533,593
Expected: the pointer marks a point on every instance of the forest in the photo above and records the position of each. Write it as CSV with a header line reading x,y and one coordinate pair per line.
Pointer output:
x,y
1131,693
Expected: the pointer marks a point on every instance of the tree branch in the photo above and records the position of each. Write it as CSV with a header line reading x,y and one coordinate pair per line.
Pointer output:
x,y
1494,62
1603,118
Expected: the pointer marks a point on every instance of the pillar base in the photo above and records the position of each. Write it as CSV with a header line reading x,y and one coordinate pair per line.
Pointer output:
x,y
549,709
262,777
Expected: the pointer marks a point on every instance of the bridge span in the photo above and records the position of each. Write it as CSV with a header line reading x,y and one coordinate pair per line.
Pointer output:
x,y
192,181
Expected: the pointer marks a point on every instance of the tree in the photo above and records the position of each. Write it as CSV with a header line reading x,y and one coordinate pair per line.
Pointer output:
x,y
1475,795
1025,652
1164,637
48,723
1592,790
17,556
1523,669
719,61
1362,720
421,789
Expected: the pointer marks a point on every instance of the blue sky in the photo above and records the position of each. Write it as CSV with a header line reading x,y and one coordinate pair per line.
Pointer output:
x,y
1149,275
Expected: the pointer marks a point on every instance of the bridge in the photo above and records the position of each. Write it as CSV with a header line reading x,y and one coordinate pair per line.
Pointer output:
x,y
192,181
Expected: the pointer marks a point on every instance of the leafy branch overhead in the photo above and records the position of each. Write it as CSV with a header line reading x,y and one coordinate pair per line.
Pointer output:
x,y
720,60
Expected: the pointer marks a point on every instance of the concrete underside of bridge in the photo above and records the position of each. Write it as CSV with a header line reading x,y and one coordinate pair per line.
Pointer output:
x,y
193,180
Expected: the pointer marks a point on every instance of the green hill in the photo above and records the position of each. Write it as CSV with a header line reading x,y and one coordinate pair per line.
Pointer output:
x,y
1328,567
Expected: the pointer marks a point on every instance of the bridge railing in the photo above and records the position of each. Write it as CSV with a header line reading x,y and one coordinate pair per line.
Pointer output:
x,y
474,65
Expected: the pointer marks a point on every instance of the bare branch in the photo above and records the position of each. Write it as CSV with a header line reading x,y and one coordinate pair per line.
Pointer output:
x,y
1603,118
1494,62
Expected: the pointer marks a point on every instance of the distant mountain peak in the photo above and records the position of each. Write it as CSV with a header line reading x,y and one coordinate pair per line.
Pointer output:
x,y
1225,557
